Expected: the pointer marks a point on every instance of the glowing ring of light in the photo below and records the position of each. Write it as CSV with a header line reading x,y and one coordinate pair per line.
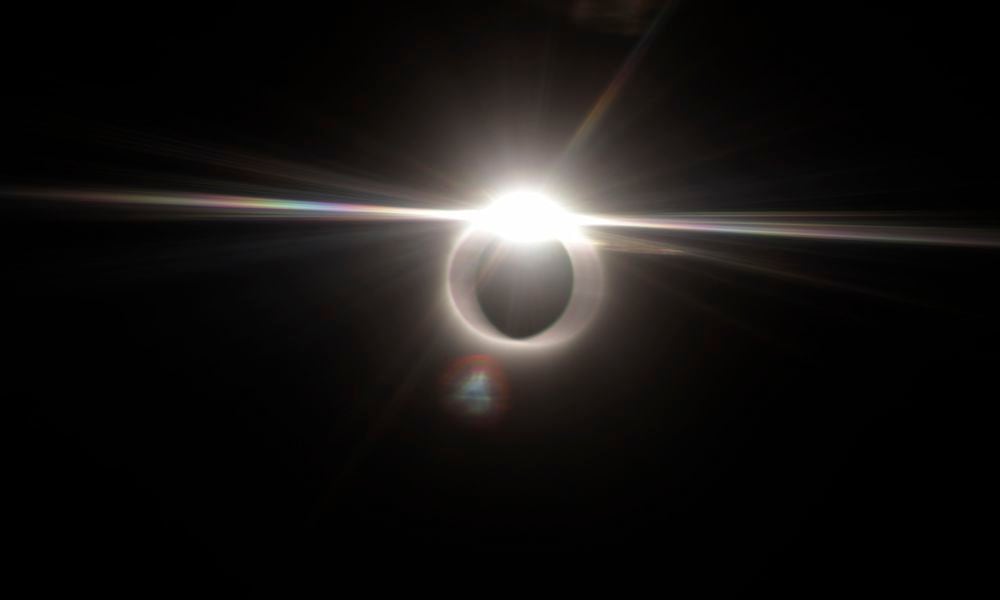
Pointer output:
x,y
585,296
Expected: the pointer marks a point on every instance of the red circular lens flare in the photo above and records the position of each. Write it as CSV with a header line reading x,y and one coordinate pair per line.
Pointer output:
x,y
476,388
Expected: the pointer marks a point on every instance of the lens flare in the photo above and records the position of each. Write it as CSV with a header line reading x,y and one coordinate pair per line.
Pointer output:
x,y
476,388
529,217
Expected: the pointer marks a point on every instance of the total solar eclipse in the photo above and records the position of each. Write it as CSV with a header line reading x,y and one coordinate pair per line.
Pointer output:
x,y
524,241
454,294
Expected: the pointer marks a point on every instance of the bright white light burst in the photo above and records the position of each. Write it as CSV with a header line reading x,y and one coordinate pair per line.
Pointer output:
x,y
527,216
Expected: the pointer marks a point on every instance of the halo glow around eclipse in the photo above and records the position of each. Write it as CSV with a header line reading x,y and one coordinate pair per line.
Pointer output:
x,y
524,216
527,216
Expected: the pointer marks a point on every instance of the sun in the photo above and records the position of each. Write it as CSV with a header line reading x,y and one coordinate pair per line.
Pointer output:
x,y
527,216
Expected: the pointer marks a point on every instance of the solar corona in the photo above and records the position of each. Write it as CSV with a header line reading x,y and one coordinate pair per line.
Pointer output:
x,y
523,217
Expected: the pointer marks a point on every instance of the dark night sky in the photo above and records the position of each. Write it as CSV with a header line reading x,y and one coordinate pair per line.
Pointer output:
x,y
239,401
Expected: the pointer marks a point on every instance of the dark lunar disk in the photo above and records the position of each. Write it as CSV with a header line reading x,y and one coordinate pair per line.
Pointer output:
x,y
524,288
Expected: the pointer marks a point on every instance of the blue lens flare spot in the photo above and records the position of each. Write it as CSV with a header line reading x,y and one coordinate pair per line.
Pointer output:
x,y
476,388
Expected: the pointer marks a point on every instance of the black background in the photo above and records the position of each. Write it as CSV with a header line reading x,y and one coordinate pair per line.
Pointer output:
x,y
243,401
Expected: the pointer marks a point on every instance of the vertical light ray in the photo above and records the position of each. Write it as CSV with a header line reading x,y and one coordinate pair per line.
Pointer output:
x,y
614,88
